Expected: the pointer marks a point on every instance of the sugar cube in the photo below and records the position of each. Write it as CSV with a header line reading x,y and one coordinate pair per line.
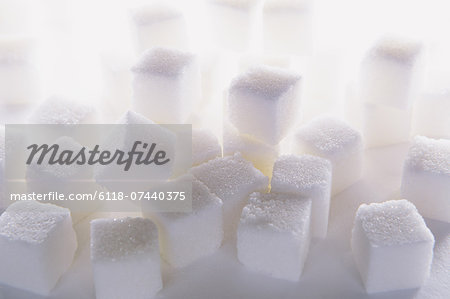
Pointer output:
x,y
125,258
140,129
37,244
159,24
392,246
260,154
166,85
63,111
287,26
233,23
385,125
232,179
335,140
391,73
274,234
74,179
272,96
205,146
116,96
186,237
431,115
17,72
310,177
426,177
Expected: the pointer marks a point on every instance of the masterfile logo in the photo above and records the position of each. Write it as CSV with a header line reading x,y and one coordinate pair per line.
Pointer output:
x,y
147,156
90,163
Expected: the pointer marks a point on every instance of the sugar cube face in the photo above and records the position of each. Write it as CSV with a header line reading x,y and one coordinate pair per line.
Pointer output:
x,y
287,27
63,111
274,234
116,96
310,177
392,246
113,176
272,96
426,177
335,140
391,73
384,125
260,154
166,85
232,23
159,25
205,146
17,73
431,115
232,179
125,258
186,237
37,244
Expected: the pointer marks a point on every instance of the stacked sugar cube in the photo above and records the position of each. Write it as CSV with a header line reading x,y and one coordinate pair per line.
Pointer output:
x,y
166,85
431,114
159,25
232,179
426,177
233,23
389,83
336,141
261,109
123,138
287,26
392,246
37,244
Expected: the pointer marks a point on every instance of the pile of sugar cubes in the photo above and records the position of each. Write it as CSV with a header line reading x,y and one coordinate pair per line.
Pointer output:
x,y
263,175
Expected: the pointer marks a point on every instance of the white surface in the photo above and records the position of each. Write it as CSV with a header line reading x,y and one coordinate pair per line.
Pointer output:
x,y
329,272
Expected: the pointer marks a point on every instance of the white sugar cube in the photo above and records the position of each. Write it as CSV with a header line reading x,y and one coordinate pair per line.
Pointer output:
x,y
166,85
287,26
391,73
431,116
116,96
426,177
63,111
263,103
260,154
232,22
205,146
74,179
125,258
310,177
187,236
37,244
274,235
17,72
392,246
232,179
384,125
159,24
140,129
335,140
